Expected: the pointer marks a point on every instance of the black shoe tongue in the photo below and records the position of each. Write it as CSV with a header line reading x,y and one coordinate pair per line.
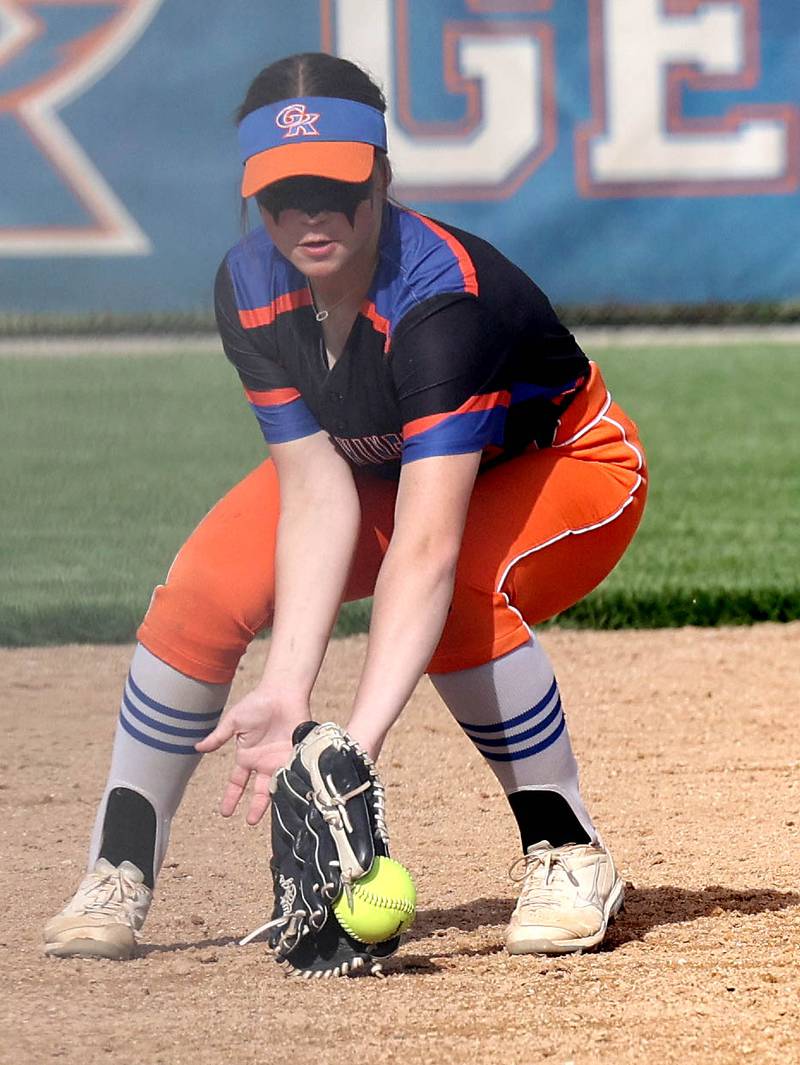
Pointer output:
x,y
302,731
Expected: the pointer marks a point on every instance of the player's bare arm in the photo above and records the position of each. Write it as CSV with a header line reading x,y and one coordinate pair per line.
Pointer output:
x,y
317,532
413,590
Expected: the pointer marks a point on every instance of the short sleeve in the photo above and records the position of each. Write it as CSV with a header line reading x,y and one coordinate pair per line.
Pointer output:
x,y
449,377
279,407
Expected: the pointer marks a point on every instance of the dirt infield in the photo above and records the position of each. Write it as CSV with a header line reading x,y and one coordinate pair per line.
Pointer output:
x,y
690,757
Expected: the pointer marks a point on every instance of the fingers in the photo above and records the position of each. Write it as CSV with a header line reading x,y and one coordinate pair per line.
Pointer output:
x,y
234,790
221,734
259,800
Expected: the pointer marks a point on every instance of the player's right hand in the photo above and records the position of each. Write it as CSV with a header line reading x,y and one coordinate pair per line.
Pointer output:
x,y
262,726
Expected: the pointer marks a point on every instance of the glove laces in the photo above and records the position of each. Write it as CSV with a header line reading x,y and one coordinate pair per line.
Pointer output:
x,y
290,922
334,812
378,792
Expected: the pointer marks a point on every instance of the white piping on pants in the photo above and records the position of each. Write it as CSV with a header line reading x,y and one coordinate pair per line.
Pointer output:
x,y
586,528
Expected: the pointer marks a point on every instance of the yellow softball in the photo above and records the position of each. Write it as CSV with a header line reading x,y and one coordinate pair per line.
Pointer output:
x,y
383,903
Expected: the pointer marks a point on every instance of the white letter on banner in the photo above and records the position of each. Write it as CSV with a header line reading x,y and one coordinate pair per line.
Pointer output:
x,y
640,142
513,129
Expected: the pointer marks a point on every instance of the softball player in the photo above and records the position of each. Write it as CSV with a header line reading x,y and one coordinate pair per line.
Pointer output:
x,y
437,440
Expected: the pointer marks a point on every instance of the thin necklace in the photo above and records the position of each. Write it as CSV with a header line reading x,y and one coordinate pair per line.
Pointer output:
x,y
321,316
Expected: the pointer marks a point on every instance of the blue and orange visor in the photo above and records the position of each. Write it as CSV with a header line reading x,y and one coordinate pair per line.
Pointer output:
x,y
316,136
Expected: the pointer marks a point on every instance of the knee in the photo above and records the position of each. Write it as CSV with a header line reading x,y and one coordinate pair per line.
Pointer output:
x,y
202,627
480,626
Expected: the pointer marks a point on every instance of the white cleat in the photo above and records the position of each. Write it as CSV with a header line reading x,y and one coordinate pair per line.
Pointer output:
x,y
569,896
104,915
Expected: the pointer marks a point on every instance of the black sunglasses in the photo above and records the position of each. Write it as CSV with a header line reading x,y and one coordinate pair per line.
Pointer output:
x,y
314,195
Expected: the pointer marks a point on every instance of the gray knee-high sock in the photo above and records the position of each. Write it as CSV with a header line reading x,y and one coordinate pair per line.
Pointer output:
x,y
511,710
162,715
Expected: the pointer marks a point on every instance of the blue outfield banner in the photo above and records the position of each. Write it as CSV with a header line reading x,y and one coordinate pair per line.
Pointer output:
x,y
630,151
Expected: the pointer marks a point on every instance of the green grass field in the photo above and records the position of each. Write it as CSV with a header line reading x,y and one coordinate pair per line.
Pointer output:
x,y
109,462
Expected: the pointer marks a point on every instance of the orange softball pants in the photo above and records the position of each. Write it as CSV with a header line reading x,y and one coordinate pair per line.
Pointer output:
x,y
542,531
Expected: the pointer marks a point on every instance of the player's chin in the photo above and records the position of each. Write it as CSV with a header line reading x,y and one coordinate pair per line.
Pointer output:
x,y
321,261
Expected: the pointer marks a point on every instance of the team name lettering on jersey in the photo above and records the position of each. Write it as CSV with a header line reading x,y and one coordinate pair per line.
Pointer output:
x,y
366,450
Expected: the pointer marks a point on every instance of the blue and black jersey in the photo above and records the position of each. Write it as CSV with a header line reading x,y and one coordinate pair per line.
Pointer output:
x,y
454,350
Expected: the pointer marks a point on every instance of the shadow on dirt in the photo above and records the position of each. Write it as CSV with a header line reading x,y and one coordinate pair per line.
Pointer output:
x,y
173,948
464,918
645,909
653,907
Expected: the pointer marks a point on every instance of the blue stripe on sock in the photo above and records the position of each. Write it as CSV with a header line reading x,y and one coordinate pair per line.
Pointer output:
x,y
159,726
169,748
526,715
169,711
515,756
528,734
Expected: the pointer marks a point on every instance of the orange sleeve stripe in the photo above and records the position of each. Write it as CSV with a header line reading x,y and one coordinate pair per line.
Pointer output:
x,y
290,301
381,324
273,397
474,403
465,263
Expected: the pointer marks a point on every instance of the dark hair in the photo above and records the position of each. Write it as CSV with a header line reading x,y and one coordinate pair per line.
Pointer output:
x,y
311,74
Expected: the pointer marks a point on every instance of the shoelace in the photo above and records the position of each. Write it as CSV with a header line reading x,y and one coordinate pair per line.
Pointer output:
x,y
111,890
535,888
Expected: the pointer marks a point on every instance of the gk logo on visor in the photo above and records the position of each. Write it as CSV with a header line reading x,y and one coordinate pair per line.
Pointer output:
x,y
296,120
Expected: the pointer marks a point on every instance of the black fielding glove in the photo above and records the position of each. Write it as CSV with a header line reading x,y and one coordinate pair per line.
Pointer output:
x,y
328,826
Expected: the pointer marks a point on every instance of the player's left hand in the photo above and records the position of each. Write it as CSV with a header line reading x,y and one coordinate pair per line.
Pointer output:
x,y
262,726
328,825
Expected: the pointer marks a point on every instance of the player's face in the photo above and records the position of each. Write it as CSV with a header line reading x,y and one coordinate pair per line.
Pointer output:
x,y
323,227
